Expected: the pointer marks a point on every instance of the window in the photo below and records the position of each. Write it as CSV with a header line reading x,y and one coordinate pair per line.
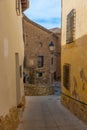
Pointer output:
x,y
66,76
40,61
70,34
18,5
40,74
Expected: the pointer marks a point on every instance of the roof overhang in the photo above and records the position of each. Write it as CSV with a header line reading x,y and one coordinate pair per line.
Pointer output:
x,y
24,4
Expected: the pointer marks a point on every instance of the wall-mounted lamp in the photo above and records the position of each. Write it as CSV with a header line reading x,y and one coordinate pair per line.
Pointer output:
x,y
51,47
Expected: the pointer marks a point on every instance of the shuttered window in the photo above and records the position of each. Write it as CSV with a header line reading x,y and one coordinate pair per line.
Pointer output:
x,y
70,30
66,76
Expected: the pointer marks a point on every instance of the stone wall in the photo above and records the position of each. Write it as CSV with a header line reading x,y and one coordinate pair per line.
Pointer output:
x,y
22,104
74,55
37,40
11,55
76,107
12,119
38,90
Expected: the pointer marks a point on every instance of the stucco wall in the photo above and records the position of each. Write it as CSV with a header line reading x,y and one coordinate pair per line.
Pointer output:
x,y
11,42
75,54
81,21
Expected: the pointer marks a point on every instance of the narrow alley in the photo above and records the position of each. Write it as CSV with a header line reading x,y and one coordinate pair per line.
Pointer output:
x,y
47,113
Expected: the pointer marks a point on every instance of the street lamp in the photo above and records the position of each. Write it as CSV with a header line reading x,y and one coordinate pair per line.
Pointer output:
x,y
51,47
52,50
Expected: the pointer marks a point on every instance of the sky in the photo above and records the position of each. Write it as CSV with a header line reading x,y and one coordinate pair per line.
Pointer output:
x,y
45,12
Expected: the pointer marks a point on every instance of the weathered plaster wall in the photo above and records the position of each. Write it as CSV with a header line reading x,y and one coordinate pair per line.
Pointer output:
x,y
75,54
11,42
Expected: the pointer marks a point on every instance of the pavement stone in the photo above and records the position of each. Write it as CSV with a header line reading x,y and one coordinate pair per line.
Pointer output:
x,y
47,113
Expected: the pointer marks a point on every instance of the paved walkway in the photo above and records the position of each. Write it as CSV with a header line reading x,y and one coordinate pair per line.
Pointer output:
x,y
47,113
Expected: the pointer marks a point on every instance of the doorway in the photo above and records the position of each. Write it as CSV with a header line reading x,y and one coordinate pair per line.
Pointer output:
x,y
18,91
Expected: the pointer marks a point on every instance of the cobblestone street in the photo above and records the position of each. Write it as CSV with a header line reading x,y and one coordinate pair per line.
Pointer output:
x,y
47,113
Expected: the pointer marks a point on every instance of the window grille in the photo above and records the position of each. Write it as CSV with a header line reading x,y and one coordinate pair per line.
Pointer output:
x,y
70,33
66,76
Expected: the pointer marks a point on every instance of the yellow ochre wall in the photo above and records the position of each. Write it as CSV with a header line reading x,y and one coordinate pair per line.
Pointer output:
x,y
11,42
75,54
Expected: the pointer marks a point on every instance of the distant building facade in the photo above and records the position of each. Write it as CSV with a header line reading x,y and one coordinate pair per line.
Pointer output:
x,y
11,63
57,31
74,55
37,53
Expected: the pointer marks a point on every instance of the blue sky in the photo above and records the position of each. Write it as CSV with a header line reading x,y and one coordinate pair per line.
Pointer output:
x,y
45,12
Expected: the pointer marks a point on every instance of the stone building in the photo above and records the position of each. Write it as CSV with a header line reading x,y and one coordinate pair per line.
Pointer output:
x,y
74,55
57,31
11,63
38,56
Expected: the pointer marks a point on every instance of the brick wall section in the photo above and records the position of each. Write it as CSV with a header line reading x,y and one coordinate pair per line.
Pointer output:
x,y
34,36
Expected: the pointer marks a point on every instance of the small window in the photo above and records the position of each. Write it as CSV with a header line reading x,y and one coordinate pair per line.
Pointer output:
x,y
40,74
40,61
66,76
70,33
18,6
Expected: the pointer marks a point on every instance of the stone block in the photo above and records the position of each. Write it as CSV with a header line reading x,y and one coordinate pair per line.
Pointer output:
x,y
38,90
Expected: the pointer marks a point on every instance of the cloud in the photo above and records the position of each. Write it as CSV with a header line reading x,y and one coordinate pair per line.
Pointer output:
x,y
45,11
